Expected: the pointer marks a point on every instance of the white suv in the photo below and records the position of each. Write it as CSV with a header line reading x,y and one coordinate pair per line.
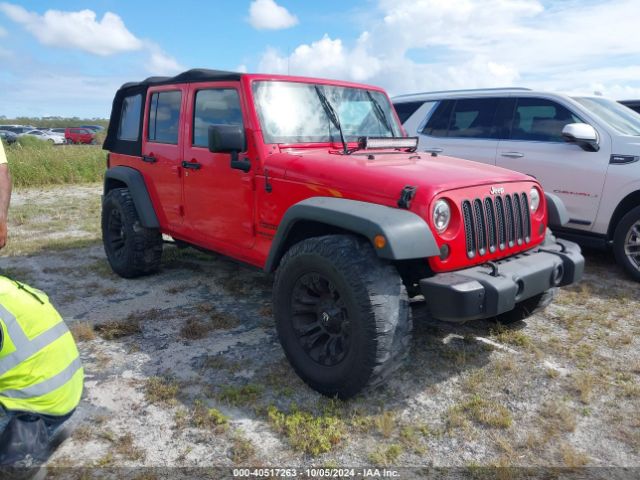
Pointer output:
x,y
584,149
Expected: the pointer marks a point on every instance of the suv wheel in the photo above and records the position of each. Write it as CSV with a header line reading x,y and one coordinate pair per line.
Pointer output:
x,y
528,307
342,314
626,243
131,249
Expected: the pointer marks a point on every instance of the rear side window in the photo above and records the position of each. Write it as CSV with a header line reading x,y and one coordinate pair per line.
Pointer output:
x,y
129,128
406,109
474,118
538,119
164,117
438,124
214,107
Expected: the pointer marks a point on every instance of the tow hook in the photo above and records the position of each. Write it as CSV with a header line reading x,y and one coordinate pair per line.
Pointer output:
x,y
494,268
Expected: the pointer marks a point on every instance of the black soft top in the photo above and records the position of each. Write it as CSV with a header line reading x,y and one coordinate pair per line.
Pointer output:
x,y
134,147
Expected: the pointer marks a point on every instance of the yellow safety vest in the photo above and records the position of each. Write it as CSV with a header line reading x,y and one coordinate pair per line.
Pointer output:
x,y
40,369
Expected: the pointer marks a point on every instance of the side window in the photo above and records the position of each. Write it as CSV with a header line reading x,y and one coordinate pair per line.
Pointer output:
x,y
129,128
438,124
214,107
538,119
164,117
406,109
474,118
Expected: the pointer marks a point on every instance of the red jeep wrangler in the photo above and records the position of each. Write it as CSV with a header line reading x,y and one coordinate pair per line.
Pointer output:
x,y
313,180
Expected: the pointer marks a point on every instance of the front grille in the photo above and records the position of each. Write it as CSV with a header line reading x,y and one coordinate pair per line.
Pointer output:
x,y
496,223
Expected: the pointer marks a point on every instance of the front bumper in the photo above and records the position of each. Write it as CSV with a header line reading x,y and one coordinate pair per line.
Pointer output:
x,y
495,287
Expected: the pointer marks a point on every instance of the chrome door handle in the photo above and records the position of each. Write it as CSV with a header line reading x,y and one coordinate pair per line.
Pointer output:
x,y
512,154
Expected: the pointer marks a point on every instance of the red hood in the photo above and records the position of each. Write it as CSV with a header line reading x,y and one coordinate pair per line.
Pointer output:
x,y
387,173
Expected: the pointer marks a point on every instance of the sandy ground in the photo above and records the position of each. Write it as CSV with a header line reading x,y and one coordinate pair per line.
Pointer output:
x,y
183,369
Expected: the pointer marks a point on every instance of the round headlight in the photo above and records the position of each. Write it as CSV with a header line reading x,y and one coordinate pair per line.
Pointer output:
x,y
534,195
441,215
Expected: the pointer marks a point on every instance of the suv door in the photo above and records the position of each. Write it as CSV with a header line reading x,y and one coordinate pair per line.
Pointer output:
x,y
219,200
162,152
463,128
534,145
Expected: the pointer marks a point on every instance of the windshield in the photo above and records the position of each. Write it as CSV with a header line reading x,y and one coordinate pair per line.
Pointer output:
x,y
292,112
624,120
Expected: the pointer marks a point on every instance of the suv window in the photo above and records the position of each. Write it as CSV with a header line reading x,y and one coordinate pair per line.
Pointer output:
x,y
164,116
406,109
538,119
129,128
438,124
473,118
214,107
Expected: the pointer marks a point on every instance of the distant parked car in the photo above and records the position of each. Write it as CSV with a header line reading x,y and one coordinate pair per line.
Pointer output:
x,y
8,137
17,129
95,128
80,135
632,104
46,136
60,130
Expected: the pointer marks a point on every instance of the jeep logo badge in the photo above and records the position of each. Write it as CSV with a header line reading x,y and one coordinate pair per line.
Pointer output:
x,y
497,190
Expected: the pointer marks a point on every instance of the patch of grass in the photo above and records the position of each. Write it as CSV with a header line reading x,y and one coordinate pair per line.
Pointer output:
x,y
82,332
161,390
385,456
571,457
510,336
220,362
306,432
127,449
118,329
583,383
223,320
557,417
484,412
242,450
386,423
240,395
194,329
34,163
210,418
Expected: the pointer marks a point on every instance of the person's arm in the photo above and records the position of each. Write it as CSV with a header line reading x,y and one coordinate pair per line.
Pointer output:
x,y
5,196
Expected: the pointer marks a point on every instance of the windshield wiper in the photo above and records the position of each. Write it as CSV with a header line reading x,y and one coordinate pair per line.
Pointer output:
x,y
382,118
331,113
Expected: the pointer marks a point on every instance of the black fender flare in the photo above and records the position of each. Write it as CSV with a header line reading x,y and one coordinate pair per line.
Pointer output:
x,y
557,215
407,235
134,181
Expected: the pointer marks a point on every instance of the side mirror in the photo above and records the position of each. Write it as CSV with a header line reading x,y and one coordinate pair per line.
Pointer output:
x,y
583,135
229,139
226,138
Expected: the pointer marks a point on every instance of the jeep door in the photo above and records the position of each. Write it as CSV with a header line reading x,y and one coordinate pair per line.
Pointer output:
x,y
162,152
463,128
533,144
219,200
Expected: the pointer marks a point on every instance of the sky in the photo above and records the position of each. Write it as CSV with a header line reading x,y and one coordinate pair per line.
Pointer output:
x,y
67,58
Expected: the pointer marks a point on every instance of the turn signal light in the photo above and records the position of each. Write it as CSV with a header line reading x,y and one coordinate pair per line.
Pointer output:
x,y
379,241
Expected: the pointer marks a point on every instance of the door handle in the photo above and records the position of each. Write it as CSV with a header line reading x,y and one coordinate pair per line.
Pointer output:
x,y
512,154
435,150
191,165
149,159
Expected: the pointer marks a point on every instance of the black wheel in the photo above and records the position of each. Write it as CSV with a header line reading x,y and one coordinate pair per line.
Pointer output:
x,y
626,243
528,307
131,249
342,314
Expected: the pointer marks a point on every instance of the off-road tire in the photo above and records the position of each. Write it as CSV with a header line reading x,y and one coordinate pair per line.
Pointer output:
x,y
376,313
623,229
136,250
528,307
